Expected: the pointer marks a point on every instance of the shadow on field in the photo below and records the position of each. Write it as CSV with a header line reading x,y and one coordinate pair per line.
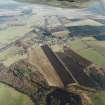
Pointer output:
x,y
61,97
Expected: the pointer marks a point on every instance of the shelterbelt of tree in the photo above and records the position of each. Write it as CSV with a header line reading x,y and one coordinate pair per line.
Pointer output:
x,y
66,3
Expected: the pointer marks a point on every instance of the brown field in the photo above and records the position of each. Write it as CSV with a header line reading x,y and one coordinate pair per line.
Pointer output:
x,y
77,57
38,58
76,66
59,67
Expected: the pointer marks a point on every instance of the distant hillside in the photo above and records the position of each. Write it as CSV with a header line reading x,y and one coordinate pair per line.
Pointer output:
x,y
33,1
73,3
9,6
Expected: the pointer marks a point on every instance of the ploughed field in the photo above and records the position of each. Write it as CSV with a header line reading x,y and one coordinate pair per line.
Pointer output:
x,y
76,70
59,67
70,67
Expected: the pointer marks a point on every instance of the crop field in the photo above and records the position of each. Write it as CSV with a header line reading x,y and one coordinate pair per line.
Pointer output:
x,y
11,55
57,48
12,33
38,58
93,56
87,48
99,46
60,69
76,70
77,45
9,96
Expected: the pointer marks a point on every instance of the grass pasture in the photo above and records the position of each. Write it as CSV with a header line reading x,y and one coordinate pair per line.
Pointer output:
x,y
77,45
99,98
12,33
9,96
93,56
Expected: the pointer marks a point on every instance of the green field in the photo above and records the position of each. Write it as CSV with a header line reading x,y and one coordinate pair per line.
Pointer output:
x,y
11,55
12,33
77,44
99,98
93,56
9,96
82,48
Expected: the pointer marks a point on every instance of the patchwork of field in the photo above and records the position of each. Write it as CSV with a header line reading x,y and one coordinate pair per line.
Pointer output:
x,y
91,49
11,55
12,33
98,46
9,96
75,65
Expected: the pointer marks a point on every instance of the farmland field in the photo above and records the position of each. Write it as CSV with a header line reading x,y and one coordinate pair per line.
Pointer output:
x,y
39,58
99,98
12,33
9,96
77,44
93,56
88,50
11,55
